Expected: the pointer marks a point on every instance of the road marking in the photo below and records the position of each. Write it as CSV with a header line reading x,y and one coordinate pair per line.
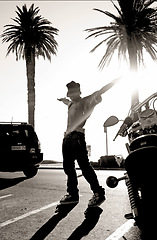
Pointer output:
x,y
5,196
121,230
27,214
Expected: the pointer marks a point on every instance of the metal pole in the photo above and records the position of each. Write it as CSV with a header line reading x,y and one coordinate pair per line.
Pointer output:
x,y
106,143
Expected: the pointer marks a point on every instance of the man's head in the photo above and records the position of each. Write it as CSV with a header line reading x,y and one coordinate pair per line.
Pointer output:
x,y
73,90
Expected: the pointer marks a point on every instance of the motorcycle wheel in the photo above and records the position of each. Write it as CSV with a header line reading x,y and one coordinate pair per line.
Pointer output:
x,y
141,166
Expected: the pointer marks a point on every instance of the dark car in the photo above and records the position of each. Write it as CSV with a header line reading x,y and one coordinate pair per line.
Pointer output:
x,y
19,149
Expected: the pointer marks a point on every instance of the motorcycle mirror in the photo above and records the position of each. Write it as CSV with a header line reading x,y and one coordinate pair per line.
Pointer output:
x,y
111,121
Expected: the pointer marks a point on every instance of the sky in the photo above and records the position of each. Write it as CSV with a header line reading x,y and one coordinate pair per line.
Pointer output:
x,y
73,62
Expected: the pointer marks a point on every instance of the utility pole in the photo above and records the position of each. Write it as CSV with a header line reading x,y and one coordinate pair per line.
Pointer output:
x,y
109,122
105,130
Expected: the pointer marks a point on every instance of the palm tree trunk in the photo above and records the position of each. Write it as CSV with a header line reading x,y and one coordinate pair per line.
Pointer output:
x,y
30,68
133,69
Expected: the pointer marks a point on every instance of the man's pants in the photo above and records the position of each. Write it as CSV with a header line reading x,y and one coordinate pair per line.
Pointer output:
x,y
74,148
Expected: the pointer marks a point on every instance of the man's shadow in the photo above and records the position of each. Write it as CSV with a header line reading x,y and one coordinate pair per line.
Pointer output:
x,y
91,218
92,215
61,212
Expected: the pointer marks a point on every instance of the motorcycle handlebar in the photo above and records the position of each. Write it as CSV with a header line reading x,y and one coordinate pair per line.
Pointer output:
x,y
128,121
126,124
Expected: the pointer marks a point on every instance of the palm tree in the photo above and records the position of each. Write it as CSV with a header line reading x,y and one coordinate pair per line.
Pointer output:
x,y
132,32
31,37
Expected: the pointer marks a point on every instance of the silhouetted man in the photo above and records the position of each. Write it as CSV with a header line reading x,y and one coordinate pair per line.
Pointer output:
x,y
74,145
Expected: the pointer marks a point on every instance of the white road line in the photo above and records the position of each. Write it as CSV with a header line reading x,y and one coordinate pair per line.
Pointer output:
x,y
121,230
27,214
5,196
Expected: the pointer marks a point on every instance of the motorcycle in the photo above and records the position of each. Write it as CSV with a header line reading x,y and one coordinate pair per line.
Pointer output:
x,y
141,164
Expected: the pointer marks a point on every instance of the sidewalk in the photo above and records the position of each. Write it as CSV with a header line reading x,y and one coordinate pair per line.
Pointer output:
x,y
51,166
57,165
60,166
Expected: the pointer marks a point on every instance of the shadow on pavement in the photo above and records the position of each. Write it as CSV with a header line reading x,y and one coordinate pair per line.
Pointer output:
x,y
9,182
60,213
92,216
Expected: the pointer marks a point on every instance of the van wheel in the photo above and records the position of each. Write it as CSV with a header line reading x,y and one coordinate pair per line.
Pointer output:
x,y
30,172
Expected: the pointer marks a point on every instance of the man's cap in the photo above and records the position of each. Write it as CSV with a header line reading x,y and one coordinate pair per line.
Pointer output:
x,y
73,87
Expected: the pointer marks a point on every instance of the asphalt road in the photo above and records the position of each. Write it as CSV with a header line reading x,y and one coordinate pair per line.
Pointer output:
x,y
28,209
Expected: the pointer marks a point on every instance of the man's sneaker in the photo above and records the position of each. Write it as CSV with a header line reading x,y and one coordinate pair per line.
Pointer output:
x,y
96,200
68,199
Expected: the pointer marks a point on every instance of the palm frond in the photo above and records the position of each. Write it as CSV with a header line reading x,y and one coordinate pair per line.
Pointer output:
x,y
120,14
117,19
112,45
147,3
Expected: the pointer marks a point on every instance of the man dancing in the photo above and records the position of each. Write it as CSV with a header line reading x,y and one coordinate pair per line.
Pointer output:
x,y
74,145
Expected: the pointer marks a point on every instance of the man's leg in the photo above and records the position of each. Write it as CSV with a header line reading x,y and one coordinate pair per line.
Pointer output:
x,y
69,169
89,173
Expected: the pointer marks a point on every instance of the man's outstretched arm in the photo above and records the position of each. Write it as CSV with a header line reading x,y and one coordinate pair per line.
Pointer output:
x,y
108,86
